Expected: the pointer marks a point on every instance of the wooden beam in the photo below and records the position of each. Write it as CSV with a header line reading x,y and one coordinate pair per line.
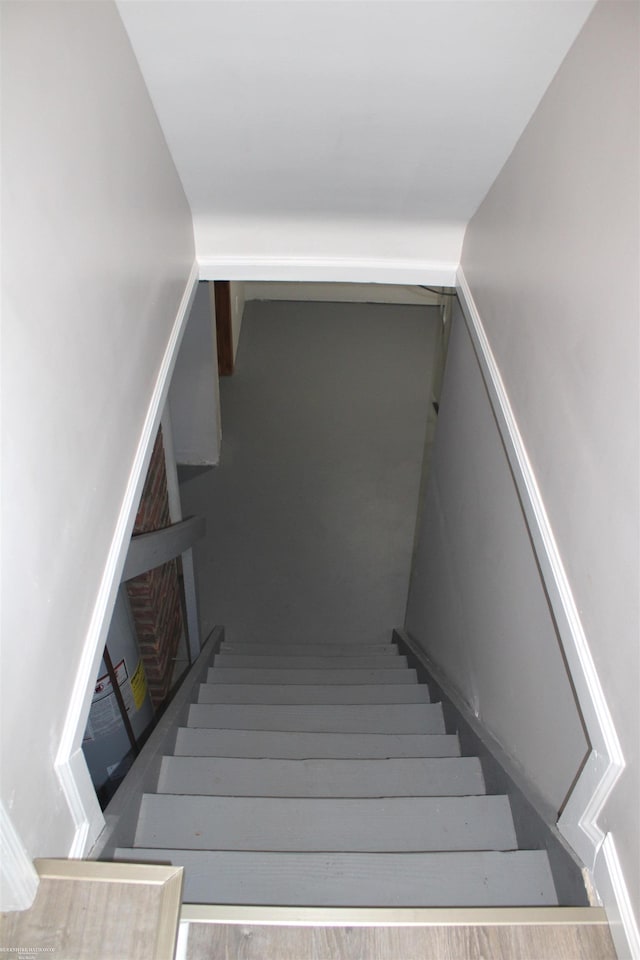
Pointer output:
x,y
224,332
191,603
149,550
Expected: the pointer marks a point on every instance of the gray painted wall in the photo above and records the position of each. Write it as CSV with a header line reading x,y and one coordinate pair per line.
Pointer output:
x,y
194,397
477,604
311,511
237,295
552,259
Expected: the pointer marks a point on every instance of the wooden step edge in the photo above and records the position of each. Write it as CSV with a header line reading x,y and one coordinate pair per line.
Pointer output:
x,y
393,916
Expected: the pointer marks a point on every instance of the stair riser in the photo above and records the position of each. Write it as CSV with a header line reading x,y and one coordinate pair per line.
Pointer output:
x,y
283,824
310,663
344,676
301,746
321,718
307,693
311,649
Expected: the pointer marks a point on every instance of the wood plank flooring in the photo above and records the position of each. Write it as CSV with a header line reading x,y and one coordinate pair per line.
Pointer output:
x,y
85,910
548,942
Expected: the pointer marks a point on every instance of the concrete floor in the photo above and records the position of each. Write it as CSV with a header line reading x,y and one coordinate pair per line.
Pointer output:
x,y
312,509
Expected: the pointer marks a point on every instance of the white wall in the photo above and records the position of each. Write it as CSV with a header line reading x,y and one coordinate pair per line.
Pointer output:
x,y
97,252
337,140
194,396
552,260
326,248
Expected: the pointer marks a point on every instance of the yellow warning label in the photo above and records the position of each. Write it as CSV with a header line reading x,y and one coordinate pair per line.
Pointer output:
x,y
139,685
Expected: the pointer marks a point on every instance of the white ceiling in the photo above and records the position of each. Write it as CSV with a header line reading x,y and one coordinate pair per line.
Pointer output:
x,y
344,128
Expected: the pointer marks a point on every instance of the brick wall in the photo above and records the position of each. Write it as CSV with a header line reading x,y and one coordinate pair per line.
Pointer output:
x,y
155,595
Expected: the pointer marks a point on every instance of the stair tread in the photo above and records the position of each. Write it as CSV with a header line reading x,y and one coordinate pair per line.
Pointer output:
x,y
297,824
274,662
290,745
232,776
297,693
310,676
321,718
458,879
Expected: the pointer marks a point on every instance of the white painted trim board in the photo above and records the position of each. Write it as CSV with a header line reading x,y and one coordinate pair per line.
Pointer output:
x,y
327,269
70,764
611,886
18,876
578,822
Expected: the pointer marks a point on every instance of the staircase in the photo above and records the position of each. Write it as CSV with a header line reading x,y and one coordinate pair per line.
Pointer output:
x,y
323,776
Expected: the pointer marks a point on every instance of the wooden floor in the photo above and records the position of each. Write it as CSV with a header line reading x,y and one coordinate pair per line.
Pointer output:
x,y
96,911
544,942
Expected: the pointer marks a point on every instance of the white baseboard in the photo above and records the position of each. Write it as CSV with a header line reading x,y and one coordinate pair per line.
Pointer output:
x,y
81,797
70,764
579,820
182,940
611,886
18,876
329,270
